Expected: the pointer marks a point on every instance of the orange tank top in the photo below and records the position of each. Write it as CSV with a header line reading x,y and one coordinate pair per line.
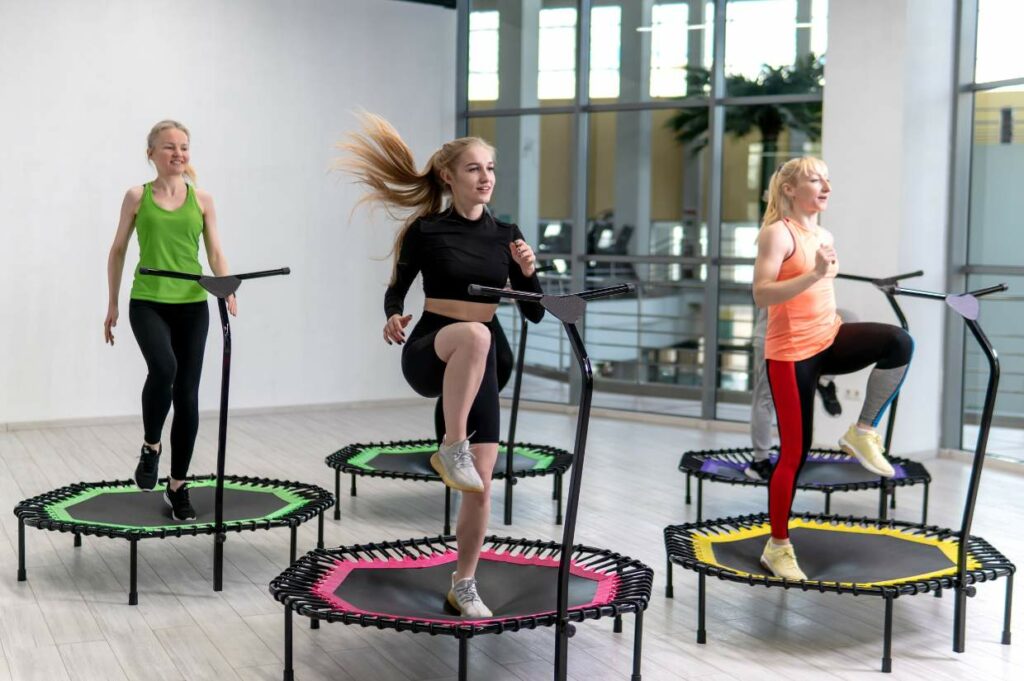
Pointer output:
x,y
807,323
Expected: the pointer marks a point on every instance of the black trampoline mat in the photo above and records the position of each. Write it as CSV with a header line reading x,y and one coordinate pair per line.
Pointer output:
x,y
419,462
508,589
813,473
835,555
136,508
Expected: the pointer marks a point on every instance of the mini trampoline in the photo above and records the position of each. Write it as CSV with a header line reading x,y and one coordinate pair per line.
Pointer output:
x,y
120,509
848,555
527,583
410,459
826,470
223,503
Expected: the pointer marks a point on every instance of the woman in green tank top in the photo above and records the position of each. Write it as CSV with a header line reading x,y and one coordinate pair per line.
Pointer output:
x,y
169,317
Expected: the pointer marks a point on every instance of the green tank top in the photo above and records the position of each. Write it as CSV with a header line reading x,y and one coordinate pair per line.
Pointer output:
x,y
168,240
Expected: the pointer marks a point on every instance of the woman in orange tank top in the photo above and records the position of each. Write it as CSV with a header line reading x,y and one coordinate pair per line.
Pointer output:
x,y
793,277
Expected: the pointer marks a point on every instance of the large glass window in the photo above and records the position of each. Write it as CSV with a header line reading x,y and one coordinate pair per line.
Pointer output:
x,y
650,179
994,154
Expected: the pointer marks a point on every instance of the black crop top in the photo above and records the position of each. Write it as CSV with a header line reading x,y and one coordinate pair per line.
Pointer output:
x,y
453,252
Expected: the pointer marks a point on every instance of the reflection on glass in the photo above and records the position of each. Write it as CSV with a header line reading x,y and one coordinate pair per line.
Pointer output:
x,y
532,185
605,47
999,56
556,75
997,156
483,56
681,36
1000,316
775,46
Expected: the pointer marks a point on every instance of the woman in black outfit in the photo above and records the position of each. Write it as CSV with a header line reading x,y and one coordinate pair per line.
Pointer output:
x,y
452,240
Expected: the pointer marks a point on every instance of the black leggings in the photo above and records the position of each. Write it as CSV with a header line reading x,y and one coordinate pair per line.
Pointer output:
x,y
424,371
172,337
856,346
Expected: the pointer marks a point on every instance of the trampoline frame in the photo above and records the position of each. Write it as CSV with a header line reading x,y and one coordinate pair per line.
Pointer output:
x,y
963,582
339,460
34,513
221,287
569,310
691,463
886,487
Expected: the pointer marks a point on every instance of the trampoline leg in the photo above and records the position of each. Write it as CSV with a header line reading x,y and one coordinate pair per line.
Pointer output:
x,y
21,551
352,488
133,572
558,500
1007,609
554,487
702,634
700,499
447,510
924,505
293,548
887,641
78,539
463,659
892,499
883,507
638,639
959,619
828,502
688,476
509,482
320,531
617,624
938,593
289,672
218,561
670,592
314,623
337,494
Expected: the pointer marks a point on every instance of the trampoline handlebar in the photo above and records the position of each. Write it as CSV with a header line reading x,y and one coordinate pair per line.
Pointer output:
x,y
196,277
170,274
265,273
881,281
593,294
915,293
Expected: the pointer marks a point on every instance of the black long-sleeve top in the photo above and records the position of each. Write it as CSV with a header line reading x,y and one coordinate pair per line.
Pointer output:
x,y
453,252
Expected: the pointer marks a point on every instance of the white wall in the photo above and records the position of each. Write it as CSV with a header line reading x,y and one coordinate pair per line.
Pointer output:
x,y
887,118
267,88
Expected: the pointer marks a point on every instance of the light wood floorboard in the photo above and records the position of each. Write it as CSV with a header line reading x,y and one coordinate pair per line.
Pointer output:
x,y
71,620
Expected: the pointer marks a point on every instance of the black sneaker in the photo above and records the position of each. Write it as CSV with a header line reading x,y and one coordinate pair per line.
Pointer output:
x,y
760,469
178,500
149,465
829,399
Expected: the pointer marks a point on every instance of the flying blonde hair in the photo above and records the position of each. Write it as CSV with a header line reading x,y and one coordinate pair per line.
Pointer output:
x,y
381,161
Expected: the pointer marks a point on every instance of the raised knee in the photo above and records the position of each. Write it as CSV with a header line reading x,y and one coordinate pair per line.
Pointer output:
x,y
903,346
476,337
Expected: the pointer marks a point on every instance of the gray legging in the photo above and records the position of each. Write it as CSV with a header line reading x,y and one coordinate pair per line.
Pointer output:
x,y
762,408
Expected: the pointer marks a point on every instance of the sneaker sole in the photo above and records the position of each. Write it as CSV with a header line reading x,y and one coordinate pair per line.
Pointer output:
x,y
768,567
852,451
435,463
455,605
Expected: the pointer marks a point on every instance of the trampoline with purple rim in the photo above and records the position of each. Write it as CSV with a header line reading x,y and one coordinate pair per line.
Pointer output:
x,y
826,471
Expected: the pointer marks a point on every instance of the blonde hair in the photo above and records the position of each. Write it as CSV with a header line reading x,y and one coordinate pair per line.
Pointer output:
x,y
168,124
380,160
780,205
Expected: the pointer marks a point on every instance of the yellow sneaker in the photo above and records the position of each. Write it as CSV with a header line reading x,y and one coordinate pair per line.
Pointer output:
x,y
781,562
866,446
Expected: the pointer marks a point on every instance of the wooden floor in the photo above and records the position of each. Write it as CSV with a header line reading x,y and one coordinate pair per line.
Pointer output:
x,y
71,620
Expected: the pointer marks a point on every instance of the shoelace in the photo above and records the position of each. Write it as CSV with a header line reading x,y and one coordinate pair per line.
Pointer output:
x,y
463,458
465,591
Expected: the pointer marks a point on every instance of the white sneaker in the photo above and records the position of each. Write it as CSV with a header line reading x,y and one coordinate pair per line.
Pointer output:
x,y
866,446
781,562
454,463
464,598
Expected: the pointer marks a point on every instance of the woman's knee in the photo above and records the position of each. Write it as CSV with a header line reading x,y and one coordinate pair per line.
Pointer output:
x,y
901,349
472,337
163,372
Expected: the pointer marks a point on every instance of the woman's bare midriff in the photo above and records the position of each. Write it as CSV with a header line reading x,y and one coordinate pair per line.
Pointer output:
x,y
462,310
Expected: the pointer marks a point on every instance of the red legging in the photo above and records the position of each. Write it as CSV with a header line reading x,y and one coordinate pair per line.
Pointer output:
x,y
856,346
